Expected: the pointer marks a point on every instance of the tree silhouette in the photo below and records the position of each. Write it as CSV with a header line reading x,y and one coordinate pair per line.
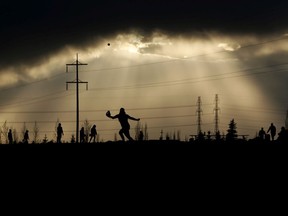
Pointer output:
x,y
15,136
137,130
4,131
146,132
36,133
55,128
45,140
87,126
24,129
178,135
232,132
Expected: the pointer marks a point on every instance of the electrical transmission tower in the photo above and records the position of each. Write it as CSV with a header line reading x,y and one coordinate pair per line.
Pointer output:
x,y
216,110
199,111
76,81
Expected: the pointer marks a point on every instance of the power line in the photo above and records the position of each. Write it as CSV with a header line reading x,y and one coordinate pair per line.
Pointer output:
x,y
159,84
197,79
187,58
254,109
100,110
36,99
164,83
31,83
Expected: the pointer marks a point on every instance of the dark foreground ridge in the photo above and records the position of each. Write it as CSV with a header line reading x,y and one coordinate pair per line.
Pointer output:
x,y
149,147
153,156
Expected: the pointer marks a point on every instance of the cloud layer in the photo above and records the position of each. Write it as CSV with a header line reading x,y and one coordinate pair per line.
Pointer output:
x,y
31,31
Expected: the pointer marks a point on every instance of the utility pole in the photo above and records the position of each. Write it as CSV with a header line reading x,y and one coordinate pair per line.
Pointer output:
x,y
216,110
77,81
199,111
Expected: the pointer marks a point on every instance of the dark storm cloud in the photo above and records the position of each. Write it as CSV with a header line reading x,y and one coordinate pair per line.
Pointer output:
x,y
35,29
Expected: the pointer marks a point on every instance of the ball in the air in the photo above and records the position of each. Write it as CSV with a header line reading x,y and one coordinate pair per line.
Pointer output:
x,y
108,44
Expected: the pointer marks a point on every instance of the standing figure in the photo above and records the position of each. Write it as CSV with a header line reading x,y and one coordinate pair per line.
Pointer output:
x,y
59,133
272,130
283,135
93,133
10,137
262,134
82,135
123,119
26,137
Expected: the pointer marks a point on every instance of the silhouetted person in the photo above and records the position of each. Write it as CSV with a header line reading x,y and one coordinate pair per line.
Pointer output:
x,y
209,135
283,135
262,134
218,136
201,136
26,137
59,133
123,119
10,137
93,133
272,130
82,135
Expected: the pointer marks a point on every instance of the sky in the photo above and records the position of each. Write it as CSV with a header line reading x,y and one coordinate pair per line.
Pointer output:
x,y
163,57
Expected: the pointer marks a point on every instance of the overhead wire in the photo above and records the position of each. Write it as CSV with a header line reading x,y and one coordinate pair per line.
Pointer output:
x,y
190,57
182,81
191,80
101,110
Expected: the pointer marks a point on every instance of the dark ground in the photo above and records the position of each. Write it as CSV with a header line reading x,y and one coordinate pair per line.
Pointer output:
x,y
155,168
154,149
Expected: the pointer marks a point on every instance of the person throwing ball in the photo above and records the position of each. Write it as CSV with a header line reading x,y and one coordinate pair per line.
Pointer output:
x,y
123,119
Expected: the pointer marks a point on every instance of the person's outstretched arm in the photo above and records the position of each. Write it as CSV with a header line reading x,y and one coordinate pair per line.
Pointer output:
x,y
132,118
108,114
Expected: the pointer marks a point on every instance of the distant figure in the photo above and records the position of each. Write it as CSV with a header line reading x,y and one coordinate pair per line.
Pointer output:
x,y
161,136
26,137
123,119
272,130
218,136
10,137
262,134
209,135
59,133
283,135
82,135
93,133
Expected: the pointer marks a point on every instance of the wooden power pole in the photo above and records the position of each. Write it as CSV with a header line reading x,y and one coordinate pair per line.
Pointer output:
x,y
76,81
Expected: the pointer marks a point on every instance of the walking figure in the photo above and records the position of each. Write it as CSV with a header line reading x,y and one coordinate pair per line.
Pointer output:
x,y
93,133
26,137
82,135
59,133
272,130
123,119
10,137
